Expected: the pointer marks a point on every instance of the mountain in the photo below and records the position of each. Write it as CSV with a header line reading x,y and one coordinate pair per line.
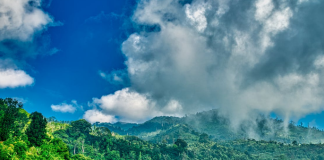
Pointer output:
x,y
219,128
119,127
153,126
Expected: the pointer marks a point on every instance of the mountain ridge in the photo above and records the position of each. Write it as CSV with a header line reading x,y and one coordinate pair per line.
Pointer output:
x,y
218,127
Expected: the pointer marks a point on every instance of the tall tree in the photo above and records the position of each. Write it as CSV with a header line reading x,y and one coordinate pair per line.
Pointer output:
x,y
203,138
181,143
36,132
80,129
9,111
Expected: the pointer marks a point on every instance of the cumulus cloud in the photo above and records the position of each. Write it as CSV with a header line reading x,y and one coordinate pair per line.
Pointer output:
x,y
11,78
94,116
20,19
20,22
238,56
66,108
128,106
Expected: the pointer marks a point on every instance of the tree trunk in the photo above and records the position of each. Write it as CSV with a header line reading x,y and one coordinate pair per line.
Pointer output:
x,y
74,148
82,146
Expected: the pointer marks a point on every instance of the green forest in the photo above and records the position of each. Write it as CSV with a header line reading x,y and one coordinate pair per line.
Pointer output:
x,y
32,136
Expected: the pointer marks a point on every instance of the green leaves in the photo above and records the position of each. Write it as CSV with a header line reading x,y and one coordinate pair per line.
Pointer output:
x,y
181,143
80,127
80,157
36,131
203,138
9,113
55,148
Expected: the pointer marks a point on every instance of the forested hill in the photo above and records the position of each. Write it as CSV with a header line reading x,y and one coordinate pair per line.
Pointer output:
x,y
32,136
219,128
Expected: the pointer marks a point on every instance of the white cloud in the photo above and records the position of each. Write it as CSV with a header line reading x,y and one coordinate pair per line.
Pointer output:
x,y
279,21
66,108
273,21
129,106
196,15
94,116
20,19
263,9
11,78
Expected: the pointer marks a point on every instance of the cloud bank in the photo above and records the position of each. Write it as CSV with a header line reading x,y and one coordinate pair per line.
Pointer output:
x,y
20,22
239,56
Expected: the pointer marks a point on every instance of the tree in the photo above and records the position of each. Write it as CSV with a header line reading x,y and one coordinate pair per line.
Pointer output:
x,y
203,138
36,131
60,148
80,129
80,157
294,143
102,131
20,123
181,143
9,111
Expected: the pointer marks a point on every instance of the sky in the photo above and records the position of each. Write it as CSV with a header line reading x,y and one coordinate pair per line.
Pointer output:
x,y
131,60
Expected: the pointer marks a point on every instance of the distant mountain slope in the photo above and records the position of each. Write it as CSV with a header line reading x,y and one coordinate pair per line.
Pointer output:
x,y
153,125
180,131
262,128
119,127
122,125
219,128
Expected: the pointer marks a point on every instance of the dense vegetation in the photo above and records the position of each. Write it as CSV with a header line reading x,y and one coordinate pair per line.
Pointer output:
x,y
100,143
219,129
204,135
271,149
23,135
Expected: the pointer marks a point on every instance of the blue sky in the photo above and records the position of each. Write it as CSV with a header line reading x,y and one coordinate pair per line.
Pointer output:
x,y
88,41
132,60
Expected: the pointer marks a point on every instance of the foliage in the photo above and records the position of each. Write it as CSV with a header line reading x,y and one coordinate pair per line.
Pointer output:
x,y
181,143
271,149
36,131
9,112
16,145
203,136
80,127
80,157
101,144
119,127
55,148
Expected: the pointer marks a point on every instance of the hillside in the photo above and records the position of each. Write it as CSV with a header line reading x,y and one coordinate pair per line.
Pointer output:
x,y
219,129
27,136
32,136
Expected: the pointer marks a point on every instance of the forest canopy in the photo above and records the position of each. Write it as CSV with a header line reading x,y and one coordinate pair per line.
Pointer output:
x,y
32,136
